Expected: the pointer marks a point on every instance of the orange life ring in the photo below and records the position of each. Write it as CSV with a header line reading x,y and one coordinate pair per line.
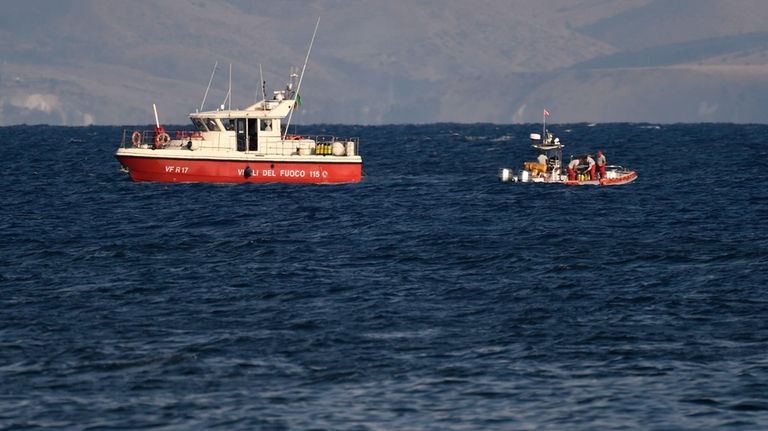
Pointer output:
x,y
136,138
161,138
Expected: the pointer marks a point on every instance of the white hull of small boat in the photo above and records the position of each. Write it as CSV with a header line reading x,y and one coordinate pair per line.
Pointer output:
x,y
615,175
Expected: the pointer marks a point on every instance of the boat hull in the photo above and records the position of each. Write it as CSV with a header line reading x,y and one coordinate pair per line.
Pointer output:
x,y
615,178
311,170
617,181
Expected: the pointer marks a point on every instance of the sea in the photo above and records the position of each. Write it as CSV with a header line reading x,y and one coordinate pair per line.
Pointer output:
x,y
429,296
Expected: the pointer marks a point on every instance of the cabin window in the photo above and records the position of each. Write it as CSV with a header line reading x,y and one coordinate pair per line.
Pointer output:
x,y
253,137
240,133
211,124
228,123
199,124
266,125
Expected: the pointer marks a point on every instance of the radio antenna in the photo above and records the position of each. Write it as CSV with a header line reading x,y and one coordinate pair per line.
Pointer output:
x,y
228,97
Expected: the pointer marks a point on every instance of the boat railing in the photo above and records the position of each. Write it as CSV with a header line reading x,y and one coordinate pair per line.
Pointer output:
x,y
316,145
153,139
291,145
320,139
616,168
351,145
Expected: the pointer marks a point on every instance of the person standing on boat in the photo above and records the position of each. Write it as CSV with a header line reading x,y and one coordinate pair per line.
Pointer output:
x,y
591,166
572,169
600,164
543,159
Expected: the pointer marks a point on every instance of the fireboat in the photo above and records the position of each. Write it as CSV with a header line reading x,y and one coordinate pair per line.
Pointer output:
x,y
248,145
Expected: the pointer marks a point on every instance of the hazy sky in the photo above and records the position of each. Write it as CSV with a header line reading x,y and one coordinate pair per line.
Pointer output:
x,y
106,61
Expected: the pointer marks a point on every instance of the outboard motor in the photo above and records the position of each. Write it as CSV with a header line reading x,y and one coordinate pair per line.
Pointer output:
x,y
505,175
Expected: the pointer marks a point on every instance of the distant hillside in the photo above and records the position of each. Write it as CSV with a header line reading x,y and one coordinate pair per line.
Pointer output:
x,y
107,61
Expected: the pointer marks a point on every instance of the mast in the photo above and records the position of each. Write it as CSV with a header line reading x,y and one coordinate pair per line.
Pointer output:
x,y
301,77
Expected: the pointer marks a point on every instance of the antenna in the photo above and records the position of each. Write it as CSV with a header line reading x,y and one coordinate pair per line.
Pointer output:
x,y
209,85
157,122
298,87
263,85
228,97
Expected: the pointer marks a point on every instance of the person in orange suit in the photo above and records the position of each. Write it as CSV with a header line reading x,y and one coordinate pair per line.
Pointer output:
x,y
572,169
591,164
600,164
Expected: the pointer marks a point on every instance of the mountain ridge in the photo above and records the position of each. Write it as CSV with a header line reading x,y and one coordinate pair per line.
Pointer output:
x,y
106,62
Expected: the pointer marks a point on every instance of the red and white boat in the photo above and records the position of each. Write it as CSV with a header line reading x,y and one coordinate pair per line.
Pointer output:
x,y
548,167
248,145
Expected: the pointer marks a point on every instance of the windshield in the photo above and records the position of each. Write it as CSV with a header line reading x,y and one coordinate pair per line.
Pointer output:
x,y
210,123
199,124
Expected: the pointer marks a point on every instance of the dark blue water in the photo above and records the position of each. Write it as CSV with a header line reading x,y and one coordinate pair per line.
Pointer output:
x,y
428,297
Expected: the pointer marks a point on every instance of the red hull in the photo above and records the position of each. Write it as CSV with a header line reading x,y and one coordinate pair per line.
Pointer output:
x,y
621,180
624,179
236,171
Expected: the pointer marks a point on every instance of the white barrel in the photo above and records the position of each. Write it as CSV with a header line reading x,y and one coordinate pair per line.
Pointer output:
x,y
505,175
350,148
525,176
535,136
338,149
304,151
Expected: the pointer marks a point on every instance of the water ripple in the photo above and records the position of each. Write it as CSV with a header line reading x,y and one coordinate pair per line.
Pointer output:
x,y
429,296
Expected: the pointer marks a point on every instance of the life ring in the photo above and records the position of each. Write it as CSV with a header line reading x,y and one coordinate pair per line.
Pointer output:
x,y
136,138
161,139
